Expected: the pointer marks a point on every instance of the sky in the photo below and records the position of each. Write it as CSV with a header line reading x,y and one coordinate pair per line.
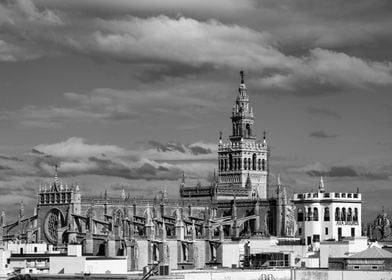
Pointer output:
x,y
126,94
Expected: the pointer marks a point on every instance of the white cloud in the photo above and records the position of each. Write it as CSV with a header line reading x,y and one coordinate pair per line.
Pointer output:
x,y
11,52
76,147
323,69
24,12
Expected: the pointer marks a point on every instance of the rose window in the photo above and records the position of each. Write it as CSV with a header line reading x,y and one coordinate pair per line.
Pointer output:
x,y
52,223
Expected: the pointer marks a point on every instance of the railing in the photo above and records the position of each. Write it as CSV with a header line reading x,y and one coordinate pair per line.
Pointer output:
x,y
319,196
151,272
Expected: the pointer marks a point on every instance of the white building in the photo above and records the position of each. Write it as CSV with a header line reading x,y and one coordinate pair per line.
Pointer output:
x,y
327,215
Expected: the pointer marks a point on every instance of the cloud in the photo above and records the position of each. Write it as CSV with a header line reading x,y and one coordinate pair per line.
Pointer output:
x,y
194,149
75,147
162,162
179,97
335,171
182,40
364,171
169,43
325,71
321,134
325,112
20,12
10,52
346,171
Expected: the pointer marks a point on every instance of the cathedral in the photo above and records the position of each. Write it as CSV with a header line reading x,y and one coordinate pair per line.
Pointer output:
x,y
182,233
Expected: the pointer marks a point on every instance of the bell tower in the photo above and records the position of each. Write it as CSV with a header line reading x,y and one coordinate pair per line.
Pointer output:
x,y
243,161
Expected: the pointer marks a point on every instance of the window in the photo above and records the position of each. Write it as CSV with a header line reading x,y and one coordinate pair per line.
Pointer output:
x,y
349,214
326,214
356,266
344,216
352,232
254,161
259,164
248,130
355,218
309,215
245,163
230,162
225,164
263,164
239,164
249,166
35,249
337,214
315,214
300,216
316,238
300,231
326,231
339,233
374,267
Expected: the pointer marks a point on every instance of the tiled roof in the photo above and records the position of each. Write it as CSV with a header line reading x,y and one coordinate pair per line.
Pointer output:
x,y
373,253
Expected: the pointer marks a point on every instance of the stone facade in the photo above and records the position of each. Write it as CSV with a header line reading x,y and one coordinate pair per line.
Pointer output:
x,y
181,233
242,161
325,215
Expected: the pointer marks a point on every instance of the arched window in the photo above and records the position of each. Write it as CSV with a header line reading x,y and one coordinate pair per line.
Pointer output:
x,y
315,214
248,130
344,214
350,214
263,164
239,128
259,161
225,164
337,214
254,161
326,214
234,129
300,216
245,163
239,164
235,164
355,218
309,215
230,162
184,252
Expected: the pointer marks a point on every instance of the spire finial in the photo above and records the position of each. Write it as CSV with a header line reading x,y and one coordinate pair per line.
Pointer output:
x,y
279,183
123,194
242,76
321,184
56,177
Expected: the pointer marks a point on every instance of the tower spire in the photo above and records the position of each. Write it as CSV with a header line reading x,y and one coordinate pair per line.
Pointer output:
x,y
56,177
242,74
